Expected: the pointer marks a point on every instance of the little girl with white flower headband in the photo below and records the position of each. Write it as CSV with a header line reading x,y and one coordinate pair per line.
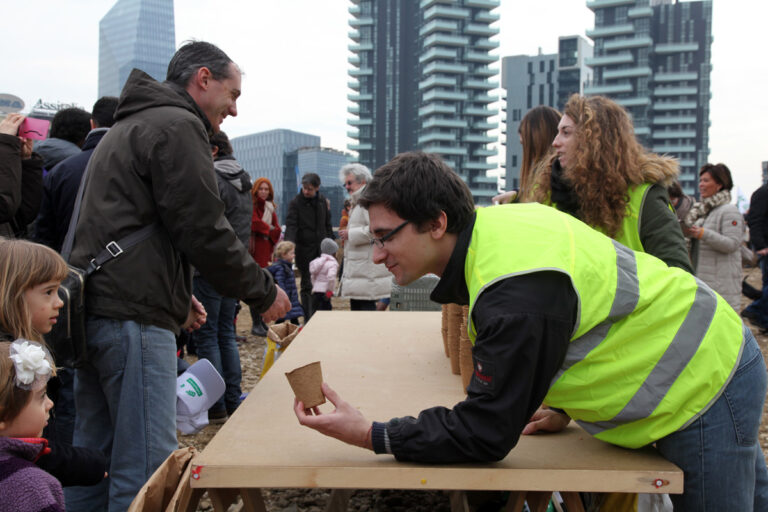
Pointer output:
x,y
30,275
25,367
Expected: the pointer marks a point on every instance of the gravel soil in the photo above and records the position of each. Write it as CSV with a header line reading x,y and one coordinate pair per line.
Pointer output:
x,y
314,500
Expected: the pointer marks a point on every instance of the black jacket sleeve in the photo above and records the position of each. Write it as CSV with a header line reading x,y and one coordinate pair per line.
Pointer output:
x,y
327,216
31,190
757,219
10,177
292,221
45,225
660,231
72,465
523,328
192,213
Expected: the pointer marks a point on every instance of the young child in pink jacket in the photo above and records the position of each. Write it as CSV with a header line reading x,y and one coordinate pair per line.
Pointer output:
x,y
323,271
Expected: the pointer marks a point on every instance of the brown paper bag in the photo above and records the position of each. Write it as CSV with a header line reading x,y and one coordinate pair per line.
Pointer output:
x,y
161,491
283,333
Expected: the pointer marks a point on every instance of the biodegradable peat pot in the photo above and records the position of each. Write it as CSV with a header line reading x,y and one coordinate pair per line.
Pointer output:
x,y
466,365
444,329
454,332
306,383
283,333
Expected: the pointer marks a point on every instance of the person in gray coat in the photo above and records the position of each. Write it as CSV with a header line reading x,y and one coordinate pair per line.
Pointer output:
x,y
716,228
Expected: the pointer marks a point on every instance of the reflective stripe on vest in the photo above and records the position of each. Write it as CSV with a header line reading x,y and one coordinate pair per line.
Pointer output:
x,y
652,347
684,345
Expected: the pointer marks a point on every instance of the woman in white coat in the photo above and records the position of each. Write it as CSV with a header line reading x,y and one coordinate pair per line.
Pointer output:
x,y
717,229
362,281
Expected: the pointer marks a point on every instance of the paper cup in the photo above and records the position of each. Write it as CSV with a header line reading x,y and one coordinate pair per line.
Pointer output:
x,y
305,382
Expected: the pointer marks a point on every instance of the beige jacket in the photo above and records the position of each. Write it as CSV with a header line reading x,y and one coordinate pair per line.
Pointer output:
x,y
362,279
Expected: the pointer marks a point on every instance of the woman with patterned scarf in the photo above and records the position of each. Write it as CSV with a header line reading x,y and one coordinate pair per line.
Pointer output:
x,y
717,229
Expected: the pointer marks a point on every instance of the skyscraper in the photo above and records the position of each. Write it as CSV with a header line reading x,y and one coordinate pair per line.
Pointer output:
x,y
533,80
422,80
653,57
135,34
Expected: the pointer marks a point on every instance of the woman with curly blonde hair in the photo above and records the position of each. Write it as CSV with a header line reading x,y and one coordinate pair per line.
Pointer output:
x,y
601,175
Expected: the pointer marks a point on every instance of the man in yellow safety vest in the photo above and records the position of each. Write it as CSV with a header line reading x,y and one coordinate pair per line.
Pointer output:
x,y
636,352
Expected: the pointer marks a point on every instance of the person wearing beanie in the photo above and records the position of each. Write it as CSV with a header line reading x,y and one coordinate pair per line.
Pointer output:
x,y
322,271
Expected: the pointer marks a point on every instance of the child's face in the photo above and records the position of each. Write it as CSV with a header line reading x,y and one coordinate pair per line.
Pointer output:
x,y
290,256
43,303
32,419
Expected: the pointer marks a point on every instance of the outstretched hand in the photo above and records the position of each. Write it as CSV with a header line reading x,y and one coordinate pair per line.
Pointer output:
x,y
546,420
345,423
279,308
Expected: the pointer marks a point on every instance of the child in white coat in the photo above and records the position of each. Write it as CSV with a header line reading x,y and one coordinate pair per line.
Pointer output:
x,y
323,271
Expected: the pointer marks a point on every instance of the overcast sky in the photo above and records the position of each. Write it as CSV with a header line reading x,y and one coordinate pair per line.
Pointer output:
x,y
294,55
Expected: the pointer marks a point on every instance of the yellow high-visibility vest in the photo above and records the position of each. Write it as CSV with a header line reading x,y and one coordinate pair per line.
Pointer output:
x,y
653,347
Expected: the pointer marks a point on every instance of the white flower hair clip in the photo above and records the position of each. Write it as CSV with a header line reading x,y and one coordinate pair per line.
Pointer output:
x,y
32,363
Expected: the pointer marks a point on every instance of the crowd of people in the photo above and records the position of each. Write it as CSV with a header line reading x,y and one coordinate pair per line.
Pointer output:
x,y
541,318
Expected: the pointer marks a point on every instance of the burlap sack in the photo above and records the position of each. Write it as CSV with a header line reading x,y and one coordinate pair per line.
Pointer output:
x,y
163,490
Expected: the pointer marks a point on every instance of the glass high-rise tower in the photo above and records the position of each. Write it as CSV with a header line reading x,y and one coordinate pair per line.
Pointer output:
x,y
422,80
135,34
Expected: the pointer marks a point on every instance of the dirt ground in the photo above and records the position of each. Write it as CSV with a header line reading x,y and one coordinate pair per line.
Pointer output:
x,y
314,500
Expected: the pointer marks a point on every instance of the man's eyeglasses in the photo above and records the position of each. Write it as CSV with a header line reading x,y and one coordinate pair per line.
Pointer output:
x,y
348,183
379,242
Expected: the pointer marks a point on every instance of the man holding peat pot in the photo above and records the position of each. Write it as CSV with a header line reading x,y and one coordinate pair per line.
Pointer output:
x,y
636,352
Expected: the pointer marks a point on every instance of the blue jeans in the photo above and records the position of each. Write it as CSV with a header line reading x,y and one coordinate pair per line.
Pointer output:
x,y
720,452
125,398
215,341
760,306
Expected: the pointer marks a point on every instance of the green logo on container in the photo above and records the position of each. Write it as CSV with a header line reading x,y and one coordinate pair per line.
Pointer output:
x,y
198,391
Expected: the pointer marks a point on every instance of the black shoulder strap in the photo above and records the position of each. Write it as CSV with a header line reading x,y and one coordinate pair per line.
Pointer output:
x,y
112,249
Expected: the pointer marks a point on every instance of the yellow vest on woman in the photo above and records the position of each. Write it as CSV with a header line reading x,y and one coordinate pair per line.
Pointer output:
x,y
652,348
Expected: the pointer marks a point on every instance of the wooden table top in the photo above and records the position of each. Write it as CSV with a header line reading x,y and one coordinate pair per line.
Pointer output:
x,y
392,364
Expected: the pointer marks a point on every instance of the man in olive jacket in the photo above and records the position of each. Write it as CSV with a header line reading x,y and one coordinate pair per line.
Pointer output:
x,y
154,166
